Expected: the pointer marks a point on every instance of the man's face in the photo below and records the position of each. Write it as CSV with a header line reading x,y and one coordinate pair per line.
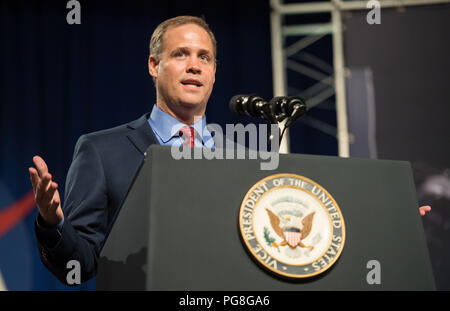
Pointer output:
x,y
185,74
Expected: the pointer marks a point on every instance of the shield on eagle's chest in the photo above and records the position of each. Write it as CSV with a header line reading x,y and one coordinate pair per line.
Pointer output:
x,y
292,236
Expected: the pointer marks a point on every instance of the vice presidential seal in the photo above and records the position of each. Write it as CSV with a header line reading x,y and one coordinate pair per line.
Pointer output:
x,y
292,225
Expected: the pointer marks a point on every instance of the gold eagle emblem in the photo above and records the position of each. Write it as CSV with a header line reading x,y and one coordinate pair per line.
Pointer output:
x,y
292,230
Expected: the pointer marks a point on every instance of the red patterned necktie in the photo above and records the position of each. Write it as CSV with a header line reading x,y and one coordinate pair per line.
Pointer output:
x,y
188,134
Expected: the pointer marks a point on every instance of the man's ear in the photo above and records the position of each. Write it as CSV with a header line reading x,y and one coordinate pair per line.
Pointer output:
x,y
153,66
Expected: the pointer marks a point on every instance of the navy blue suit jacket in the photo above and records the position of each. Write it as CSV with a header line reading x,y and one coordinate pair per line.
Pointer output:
x,y
103,168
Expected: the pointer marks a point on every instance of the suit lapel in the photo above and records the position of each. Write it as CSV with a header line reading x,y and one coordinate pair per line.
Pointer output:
x,y
142,136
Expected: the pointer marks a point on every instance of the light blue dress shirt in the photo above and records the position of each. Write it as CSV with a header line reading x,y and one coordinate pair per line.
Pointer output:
x,y
167,128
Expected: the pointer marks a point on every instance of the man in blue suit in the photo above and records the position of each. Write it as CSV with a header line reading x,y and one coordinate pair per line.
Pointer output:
x,y
182,64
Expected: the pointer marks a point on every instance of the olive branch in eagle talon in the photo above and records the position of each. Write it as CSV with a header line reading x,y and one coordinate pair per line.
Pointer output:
x,y
289,227
270,240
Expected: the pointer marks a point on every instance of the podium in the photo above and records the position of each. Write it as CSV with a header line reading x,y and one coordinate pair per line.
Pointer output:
x,y
178,228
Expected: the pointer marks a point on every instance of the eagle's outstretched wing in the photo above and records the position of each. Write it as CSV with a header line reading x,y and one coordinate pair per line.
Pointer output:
x,y
307,225
275,222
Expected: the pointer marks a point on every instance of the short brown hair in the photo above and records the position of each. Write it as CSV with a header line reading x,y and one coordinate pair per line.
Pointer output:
x,y
156,42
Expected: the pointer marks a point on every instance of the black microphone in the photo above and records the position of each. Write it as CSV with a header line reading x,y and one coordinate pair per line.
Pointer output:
x,y
254,106
298,107
290,107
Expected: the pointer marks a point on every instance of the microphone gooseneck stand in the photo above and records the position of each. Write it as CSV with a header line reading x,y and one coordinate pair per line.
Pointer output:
x,y
275,111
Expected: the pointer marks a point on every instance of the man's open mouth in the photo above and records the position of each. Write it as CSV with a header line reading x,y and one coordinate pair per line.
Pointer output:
x,y
191,82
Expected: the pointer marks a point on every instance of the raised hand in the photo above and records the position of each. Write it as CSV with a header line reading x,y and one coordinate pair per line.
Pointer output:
x,y
45,193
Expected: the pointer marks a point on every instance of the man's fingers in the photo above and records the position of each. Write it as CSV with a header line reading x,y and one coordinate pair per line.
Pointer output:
x,y
48,195
40,165
34,178
424,209
54,205
42,188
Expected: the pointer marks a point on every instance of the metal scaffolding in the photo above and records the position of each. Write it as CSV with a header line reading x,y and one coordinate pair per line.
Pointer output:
x,y
331,83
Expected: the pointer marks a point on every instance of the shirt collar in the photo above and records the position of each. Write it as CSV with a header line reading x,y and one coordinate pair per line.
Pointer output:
x,y
166,126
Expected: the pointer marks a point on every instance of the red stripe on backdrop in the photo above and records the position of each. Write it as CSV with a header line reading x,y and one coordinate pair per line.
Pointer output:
x,y
16,212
